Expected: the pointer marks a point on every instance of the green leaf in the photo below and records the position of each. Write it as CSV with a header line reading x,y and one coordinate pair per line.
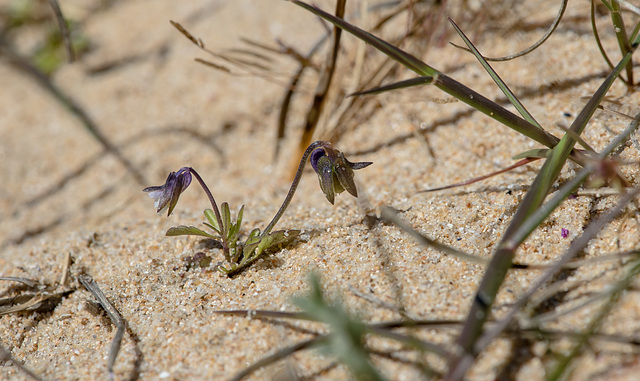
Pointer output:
x,y
226,218
187,230
284,236
253,237
265,243
213,221
211,227
239,219
234,229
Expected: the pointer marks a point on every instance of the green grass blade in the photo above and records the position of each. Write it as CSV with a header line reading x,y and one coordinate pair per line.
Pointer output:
x,y
447,84
396,86
494,110
596,35
502,259
346,339
623,39
496,78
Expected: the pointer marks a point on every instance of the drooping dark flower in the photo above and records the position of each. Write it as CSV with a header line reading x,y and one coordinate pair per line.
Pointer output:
x,y
335,172
166,196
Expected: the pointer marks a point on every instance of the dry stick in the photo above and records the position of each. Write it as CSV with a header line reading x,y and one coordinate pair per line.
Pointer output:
x,y
73,107
114,315
5,355
62,24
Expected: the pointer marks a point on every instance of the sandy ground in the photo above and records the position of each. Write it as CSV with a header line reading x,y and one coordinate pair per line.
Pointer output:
x,y
63,194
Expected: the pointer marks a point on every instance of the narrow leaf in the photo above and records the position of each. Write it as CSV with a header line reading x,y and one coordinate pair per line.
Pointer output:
x,y
226,218
396,86
496,78
211,217
187,230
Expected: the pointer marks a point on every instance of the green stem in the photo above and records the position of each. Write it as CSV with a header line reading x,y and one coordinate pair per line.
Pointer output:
x,y
294,186
216,211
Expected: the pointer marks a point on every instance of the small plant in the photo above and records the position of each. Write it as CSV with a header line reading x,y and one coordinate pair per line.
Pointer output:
x,y
335,175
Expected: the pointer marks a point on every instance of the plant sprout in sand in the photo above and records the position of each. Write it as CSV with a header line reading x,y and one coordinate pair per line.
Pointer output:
x,y
335,175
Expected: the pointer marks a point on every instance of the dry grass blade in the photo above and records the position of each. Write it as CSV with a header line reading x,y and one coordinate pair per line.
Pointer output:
x,y
577,246
43,302
322,90
480,178
27,282
187,34
279,355
391,214
213,65
266,314
396,86
580,344
114,315
530,205
536,45
5,355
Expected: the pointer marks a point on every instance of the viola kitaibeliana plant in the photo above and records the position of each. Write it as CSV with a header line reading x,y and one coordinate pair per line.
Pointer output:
x,y
335,174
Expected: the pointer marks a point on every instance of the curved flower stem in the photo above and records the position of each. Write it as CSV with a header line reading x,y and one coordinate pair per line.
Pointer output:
x,y
216,211
294,186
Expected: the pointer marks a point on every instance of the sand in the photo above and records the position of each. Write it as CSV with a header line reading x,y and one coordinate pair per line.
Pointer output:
x,y
63,194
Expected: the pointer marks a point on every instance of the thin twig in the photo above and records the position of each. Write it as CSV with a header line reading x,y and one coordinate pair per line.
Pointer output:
x,y
114,315
5,355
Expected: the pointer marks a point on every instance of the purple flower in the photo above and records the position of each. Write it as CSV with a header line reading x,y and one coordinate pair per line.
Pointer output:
x,y
564,232
335,172
167,195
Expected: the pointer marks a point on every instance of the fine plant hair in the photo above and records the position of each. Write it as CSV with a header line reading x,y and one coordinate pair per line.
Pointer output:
x,y
480,328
